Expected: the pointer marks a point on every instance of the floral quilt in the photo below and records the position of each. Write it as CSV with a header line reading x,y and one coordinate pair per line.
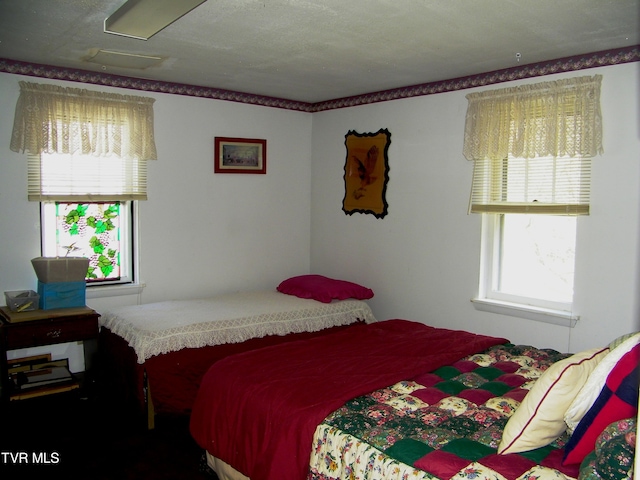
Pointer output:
x,y
614,453
444,424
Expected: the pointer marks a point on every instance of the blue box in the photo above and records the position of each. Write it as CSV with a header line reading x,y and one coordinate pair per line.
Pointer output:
x,y
62,295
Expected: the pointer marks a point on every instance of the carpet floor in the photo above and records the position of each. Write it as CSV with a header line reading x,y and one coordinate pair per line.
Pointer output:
x,y
71,436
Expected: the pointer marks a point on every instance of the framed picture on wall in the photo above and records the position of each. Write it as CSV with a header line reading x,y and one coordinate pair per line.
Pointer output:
x,y
366,173
240,155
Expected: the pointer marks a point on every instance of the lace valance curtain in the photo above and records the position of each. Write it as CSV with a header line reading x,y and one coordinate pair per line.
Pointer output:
x,y
53,119
551,119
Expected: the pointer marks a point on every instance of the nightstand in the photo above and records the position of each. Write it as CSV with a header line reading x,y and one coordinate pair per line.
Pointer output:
x,y
45,327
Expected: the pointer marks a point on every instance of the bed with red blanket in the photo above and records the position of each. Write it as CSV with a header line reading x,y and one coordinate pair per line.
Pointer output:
x,y
153,356
399,399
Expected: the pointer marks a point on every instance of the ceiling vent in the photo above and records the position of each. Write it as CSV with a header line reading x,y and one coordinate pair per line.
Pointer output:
x,y
109,58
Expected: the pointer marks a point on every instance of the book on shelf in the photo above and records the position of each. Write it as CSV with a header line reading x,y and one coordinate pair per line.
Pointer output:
x,y
27,363
45,390
39,375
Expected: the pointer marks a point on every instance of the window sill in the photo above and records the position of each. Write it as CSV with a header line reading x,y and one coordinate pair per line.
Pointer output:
x,y
115,290
555,317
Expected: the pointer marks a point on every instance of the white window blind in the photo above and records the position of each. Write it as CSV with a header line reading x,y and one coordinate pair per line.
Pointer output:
x,y
552,186
74,178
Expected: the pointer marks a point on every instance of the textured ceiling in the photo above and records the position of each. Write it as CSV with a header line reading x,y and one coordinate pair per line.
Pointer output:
x,y
318,50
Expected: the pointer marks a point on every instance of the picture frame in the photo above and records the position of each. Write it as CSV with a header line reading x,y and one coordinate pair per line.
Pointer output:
x,y
240,155
366,173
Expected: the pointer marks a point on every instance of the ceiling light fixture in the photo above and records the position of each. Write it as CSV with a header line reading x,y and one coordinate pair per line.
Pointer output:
x,y
142,19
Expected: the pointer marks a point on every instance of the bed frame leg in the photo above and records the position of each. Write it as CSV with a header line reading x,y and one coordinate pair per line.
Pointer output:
x,y
148,404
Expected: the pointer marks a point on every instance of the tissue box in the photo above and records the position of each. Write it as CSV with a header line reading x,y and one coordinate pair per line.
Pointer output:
x,y
60,269
62,294
22,300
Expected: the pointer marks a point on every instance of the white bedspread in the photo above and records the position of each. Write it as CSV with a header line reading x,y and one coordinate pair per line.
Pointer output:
x,y
163,327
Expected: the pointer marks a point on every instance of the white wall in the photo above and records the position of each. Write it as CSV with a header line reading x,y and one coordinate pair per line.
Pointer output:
x,y
201,233
422,259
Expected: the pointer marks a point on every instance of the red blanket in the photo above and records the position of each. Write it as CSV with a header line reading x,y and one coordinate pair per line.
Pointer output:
x,y
258,410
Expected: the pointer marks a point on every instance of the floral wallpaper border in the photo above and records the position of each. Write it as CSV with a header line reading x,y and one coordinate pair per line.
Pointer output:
x,y
590,60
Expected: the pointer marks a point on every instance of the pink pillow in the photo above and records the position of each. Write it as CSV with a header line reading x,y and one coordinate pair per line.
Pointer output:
x,y
323,289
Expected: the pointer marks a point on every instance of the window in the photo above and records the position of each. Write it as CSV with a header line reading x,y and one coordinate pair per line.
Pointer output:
x,y
536,258
532,148
529,230
99,231
87,165
528,260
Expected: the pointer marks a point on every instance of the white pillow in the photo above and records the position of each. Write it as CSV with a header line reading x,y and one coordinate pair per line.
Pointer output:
x,y
594,384
539,419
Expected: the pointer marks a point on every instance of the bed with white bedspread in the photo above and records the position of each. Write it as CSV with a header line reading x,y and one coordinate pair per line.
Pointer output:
x,y
153,356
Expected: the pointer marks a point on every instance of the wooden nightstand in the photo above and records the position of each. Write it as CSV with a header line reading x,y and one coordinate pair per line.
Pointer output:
x,y
45,327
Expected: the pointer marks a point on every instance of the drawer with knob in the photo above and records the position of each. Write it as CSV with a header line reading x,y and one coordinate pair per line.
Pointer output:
x,y
50,331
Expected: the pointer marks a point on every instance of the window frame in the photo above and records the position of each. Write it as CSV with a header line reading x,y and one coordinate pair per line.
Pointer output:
x,y
489,299
129,252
